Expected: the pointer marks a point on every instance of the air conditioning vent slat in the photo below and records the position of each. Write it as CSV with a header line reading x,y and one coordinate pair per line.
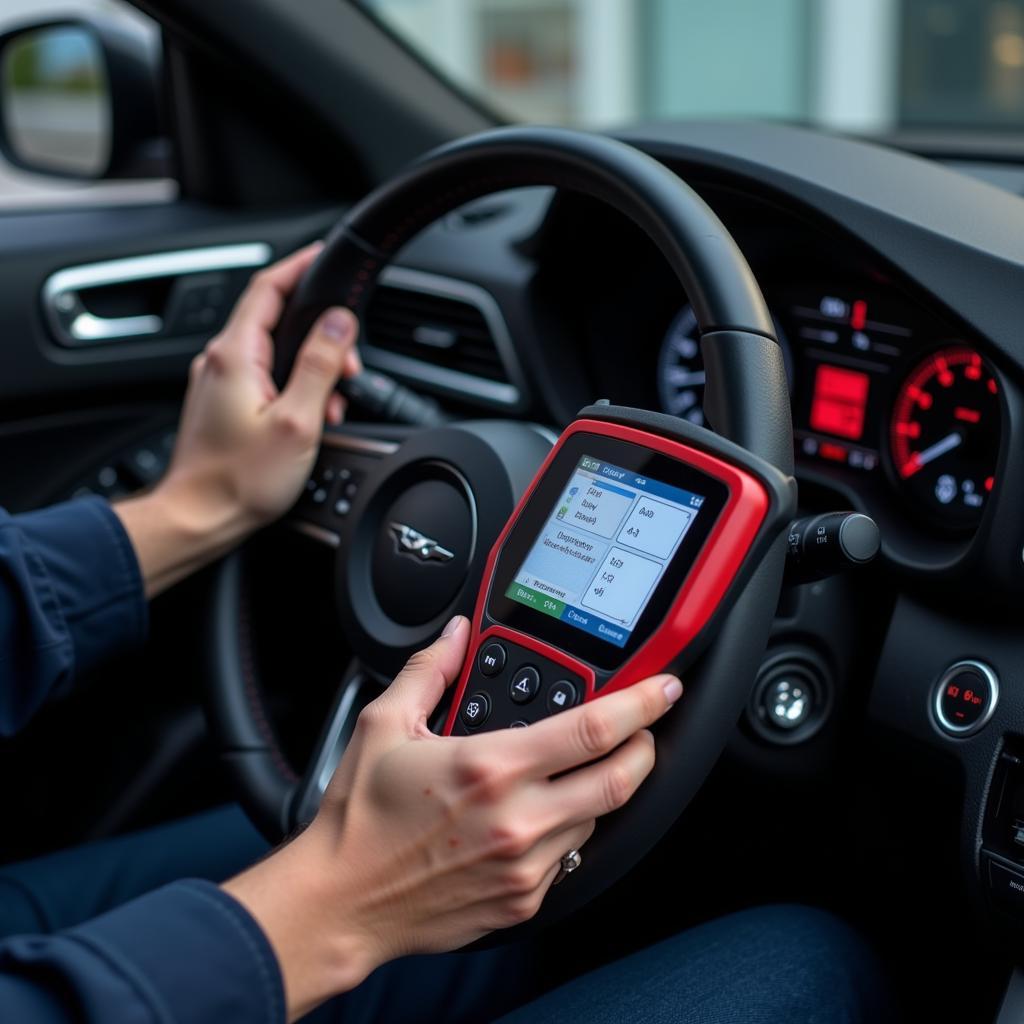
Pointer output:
x,y
440,330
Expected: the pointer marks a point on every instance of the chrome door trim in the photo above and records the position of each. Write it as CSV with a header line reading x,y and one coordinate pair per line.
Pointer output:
x,y
74,326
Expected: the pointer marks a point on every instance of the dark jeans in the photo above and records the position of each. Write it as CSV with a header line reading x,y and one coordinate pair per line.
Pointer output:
x,y
772,964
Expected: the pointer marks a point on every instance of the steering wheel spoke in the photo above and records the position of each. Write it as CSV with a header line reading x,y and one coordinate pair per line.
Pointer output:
x,y
358,687
347,456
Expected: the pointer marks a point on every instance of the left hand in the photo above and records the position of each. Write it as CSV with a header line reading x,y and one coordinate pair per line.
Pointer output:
x,y
244,448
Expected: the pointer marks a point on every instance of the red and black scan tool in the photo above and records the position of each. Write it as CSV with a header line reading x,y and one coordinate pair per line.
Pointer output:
x,y
633,540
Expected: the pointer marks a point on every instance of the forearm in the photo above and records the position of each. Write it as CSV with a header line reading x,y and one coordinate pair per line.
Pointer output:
x,y
70,598
198,955
175,532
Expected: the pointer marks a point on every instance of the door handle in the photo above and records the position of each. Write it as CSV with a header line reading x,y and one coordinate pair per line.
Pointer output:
x,y
74,326
80,327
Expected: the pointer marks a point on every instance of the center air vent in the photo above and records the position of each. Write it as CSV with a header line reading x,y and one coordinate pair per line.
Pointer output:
x,y
442,334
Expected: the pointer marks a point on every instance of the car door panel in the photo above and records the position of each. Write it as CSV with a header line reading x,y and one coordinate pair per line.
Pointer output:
x,y
39,373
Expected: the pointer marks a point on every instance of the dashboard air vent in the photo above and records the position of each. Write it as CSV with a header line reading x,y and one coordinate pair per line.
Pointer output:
x,y
443,334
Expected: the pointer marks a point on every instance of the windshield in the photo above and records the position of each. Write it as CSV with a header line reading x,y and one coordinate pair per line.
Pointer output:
x,y
871,66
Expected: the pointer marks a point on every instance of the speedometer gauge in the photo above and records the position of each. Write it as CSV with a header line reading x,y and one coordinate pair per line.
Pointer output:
x,y
944,435
681,367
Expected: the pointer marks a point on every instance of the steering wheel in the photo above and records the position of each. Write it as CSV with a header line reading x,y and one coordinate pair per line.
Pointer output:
x,y
459,483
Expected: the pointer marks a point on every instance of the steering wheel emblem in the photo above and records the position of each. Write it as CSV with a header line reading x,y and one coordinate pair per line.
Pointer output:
x,y
412,542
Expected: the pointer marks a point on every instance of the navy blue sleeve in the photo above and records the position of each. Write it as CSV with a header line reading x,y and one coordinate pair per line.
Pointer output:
x,y
71,594
185,954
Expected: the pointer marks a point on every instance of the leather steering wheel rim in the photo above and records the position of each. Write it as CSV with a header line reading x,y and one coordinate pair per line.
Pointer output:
x,y
746,401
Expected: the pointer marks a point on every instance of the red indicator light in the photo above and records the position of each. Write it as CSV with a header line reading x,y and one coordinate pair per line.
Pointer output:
x,y
967,415
992,385
835,452
840,401
990,482
859,315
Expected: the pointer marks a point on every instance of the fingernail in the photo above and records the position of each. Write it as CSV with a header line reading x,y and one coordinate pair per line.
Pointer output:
x,y
673,689
339,324
453,626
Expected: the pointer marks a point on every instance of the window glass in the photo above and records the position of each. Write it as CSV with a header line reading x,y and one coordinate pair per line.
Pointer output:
x,y
57,112
870,66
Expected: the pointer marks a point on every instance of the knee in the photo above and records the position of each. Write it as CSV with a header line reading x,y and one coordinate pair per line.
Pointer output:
x,y
804,963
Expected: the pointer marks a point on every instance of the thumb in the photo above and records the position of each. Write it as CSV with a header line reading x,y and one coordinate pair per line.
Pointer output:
x,y
320,362
418,688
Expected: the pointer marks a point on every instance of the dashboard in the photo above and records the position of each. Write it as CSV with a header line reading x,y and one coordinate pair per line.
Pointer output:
x,y
897,289
900,408
877,388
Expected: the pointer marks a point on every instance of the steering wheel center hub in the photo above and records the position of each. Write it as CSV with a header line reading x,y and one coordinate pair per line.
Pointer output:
x,y
424,546
413,548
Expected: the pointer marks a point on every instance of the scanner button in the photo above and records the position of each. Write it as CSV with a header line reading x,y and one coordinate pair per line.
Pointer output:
x,y
491,660
561,696
525,684
476,710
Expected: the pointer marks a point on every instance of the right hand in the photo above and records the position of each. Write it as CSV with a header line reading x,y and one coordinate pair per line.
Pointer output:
x,y
425,843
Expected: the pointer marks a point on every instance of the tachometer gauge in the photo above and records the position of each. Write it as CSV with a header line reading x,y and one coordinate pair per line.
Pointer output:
x,y
681,367
944,434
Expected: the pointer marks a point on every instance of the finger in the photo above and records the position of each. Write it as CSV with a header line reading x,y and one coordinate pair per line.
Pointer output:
x,y
418,688
571,839
534,875
335,409
599,788
544,861
318,366
263,299
353,363
585,733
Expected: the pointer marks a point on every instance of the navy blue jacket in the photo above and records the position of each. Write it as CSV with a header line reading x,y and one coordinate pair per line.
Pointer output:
x,y
71,595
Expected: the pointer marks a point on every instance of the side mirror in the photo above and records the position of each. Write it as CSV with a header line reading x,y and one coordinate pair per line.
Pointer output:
x,y
79,99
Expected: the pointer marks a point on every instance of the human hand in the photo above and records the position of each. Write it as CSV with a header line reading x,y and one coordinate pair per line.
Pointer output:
x,y
244,449
425,843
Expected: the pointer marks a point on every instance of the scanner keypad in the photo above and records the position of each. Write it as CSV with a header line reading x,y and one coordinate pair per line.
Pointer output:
x,y
518,687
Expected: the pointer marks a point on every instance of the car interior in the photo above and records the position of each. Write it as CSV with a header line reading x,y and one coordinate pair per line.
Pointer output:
x,y
877,766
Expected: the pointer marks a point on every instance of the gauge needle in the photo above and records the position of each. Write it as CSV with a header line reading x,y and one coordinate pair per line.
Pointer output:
x,y
931,453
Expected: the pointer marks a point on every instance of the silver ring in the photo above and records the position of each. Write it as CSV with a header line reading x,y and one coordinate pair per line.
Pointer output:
x,y
567,865
571,861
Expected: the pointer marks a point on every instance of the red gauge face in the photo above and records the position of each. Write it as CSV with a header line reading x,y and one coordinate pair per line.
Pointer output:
x,y
944,436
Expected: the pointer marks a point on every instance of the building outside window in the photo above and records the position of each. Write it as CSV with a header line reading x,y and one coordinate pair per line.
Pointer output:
x,y
871,66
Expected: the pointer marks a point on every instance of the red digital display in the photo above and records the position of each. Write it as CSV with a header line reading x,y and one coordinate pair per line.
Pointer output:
x,y
840,402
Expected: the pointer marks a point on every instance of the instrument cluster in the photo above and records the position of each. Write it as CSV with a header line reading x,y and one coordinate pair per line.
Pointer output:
x,y
879,387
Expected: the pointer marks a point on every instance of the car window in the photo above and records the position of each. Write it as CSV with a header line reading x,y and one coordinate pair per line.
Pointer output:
x,y
66,127
854,65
